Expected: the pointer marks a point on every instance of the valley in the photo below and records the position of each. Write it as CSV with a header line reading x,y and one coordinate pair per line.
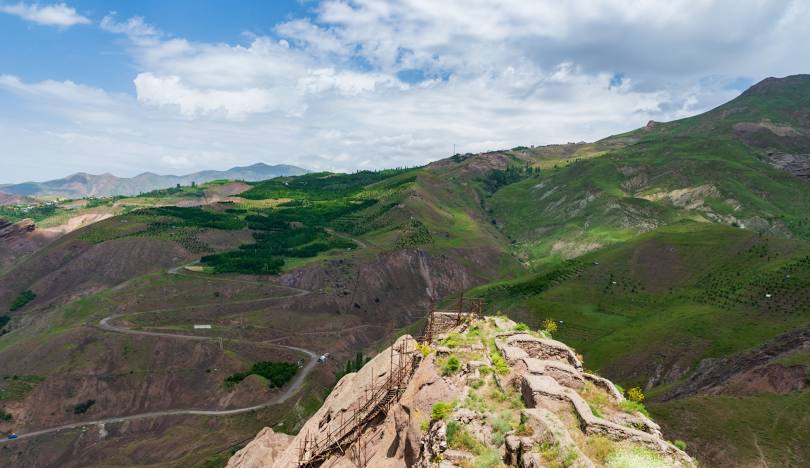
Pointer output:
x,y
674,258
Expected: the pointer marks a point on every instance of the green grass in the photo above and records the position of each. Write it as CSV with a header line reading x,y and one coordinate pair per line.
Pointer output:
x,y
634,457
684,288
589,203
17,387
746,428
679,294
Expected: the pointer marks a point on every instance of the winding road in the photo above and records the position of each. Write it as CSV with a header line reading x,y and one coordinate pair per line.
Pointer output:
x,y
291,389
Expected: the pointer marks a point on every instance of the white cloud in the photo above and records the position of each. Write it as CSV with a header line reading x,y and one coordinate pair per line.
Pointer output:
x,y
134,27
59,14
325,92
235,104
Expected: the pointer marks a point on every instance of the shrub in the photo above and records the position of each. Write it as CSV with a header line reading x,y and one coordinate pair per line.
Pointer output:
x,y
680,444
24,298
521,327
5,416
4,319
278,373
549,326
82,408
451,366
352,365
424,349
441,411
635,394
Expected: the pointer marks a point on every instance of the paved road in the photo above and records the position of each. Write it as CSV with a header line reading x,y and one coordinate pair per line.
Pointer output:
x,y
291,389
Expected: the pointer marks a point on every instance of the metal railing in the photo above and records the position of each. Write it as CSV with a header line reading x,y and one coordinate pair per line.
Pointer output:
x,y
376,400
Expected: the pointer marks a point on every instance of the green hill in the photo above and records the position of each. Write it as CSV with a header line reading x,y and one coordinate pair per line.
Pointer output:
x,y
654,311
713,167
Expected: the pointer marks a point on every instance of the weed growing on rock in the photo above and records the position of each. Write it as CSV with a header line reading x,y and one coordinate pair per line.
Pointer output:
x,y
635,394
460,438
441,410
501,367
476,402
451,366
453,340
600,448
501,424
521,327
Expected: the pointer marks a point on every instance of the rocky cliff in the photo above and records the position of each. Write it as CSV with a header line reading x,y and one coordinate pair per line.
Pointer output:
x,y
486,392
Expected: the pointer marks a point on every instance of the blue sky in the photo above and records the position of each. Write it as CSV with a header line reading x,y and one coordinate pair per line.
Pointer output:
x,y
179,86
95,57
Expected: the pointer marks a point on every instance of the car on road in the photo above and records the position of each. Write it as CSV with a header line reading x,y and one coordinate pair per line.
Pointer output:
x,y
12,436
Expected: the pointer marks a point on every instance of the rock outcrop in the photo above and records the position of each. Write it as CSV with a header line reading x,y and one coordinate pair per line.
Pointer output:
x,y
484,394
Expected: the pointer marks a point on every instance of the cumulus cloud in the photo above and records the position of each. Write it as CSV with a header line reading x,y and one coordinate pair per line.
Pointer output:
x,y
59,14
388,83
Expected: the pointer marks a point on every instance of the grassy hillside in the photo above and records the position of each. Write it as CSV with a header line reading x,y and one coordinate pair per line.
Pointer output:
x,y
647,312
700,168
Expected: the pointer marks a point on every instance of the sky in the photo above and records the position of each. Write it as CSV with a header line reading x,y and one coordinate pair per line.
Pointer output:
x,y
175,87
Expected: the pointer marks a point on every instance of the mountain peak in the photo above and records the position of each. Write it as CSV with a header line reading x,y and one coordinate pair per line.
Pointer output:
x,y
81,184
773,86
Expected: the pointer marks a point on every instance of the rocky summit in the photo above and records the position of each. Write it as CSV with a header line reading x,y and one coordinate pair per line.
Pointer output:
x,y
484,392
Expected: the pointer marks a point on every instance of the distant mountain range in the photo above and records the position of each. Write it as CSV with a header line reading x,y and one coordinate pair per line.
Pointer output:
x,y
105,185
